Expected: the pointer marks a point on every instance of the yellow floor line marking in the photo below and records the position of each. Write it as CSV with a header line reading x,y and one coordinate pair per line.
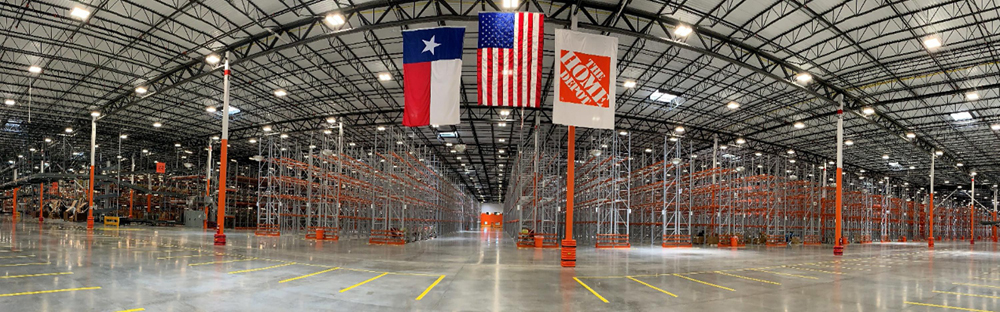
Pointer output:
x,y
429,288
34,275
23,264
785,274
591,290
365,282
965,294
815,270
11,257
307,275
598,277
47,291
261,269
703,282
221,262
133,310
317,265
976,285
944,306
393,273
748,278
651,286
191,256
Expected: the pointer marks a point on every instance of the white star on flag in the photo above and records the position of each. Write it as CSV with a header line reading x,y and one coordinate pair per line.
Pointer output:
x,y
430,45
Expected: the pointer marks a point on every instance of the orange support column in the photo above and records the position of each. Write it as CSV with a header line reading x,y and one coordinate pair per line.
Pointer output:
x,y
972,212
569,244
220,235
930,206
220,218
838,246
149,205
41,202
131,195
90,192
90,200
18,189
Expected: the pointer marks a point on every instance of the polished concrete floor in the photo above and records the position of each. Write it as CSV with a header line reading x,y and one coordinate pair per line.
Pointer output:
x,y
61,267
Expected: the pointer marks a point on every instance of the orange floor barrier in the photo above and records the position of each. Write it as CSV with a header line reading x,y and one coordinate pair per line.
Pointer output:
x,y
387,237
323,233
776,241
612,241
812,240
267,230
676,241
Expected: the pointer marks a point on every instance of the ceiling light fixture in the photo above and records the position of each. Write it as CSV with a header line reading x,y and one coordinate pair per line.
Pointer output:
x,y
910,135
34,69
799,125
267,128
885,156
972,95
252,140
740,140
732,105
9,102
79,13
848,142
69,130
95,114
280,92
679,129
157,124
210,109
213,59
141,90
384,76
938,152
932,43
961,116
331,120
995,127
629,84
868,110
803,78
683,30
335,19
380,128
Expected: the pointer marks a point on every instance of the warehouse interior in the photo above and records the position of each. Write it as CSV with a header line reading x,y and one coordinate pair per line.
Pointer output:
x,y
255,155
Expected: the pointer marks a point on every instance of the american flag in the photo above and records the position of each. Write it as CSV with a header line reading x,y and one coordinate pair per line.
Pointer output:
x,y
509,65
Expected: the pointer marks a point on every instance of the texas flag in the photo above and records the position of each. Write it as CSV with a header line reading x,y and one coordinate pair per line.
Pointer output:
x,y
432,75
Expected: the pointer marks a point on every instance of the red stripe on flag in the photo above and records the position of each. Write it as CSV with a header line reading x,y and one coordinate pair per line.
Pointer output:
x,y
479,75
538,71
516,72
530,41
510,78
489,76
416,94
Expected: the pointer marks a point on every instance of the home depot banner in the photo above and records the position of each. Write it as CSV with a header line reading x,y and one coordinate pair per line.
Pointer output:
x,y
585,80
